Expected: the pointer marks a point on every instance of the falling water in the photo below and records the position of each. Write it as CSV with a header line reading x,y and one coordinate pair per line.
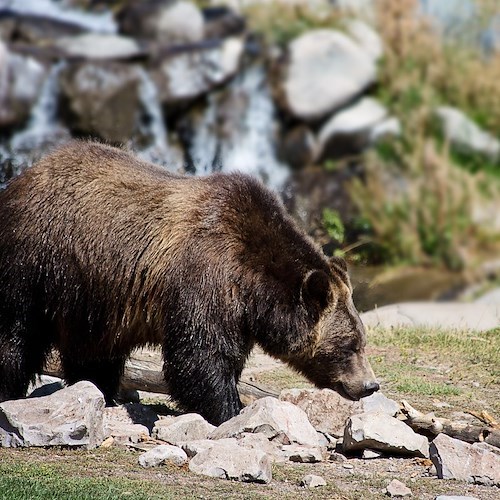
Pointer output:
x,y
43,130
250,145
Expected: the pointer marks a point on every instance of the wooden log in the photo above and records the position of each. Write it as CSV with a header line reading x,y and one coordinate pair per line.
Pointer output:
x,y
143,372
430,425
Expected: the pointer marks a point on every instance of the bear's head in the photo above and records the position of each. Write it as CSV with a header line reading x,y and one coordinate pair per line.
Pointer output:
x,y
336,358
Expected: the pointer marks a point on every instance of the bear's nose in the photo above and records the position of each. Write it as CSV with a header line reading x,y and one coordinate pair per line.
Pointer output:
x,y
371,387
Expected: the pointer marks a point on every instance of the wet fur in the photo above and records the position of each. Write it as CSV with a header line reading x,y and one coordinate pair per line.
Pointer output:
x,y
101,253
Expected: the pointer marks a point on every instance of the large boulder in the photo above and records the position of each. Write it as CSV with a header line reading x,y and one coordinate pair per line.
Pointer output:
x,y
279,421
184,76
475,463
328,411
465,135
101,100
70,417
376,431
168,22
326,70
227,460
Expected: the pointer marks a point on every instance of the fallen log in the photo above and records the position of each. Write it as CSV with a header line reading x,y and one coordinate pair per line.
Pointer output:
x,y
430,426
143,372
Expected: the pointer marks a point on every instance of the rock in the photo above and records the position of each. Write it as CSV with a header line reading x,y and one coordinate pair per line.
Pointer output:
x,y
349,131
161,454
299,147
326,70
328,411
302,454
189,427
475,463
221,22
454,497
280,421
228,460
20,80
124,434
390,127
398,489
366,37
99,46
312,481
101,100
185,76
491,297
383,433
71,417
452,315
170,22
370,454
465,135
44,385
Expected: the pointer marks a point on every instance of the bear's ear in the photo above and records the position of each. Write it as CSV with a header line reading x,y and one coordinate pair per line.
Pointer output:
x,y
338,262
316,288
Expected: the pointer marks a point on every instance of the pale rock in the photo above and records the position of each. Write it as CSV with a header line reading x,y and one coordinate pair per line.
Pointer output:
x,y
161,454
326,70
188,427
348,131
301,454
454,497
370,454
71,417
312,481
491,297
44,385
277,420
465,135
389,127
475,463
99,46
366,37
328,411
124,434
228,460
384,433
398,489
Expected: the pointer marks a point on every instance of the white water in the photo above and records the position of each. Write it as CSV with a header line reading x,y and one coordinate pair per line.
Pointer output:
x,y
43,129
250,147
98,22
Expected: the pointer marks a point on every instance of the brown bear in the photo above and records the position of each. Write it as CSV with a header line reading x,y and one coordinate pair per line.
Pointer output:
x,y
101,253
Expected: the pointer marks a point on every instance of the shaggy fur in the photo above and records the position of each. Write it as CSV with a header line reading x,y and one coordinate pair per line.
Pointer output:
x,y
101,253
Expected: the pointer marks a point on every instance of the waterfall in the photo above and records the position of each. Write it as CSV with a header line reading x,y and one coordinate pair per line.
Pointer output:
x,y
43,131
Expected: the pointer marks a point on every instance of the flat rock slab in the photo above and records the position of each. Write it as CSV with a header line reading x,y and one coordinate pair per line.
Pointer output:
x,y
398,489
380,432
279,421
226,459
70,417
450,315
475,463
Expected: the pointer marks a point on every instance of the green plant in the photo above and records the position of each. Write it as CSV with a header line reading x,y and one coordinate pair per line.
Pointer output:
x,y
333,225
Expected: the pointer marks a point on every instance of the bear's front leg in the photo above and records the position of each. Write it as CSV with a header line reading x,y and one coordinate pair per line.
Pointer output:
x,y
205,386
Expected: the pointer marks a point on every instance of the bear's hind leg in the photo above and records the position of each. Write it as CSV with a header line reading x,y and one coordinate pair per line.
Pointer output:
x,y
104,373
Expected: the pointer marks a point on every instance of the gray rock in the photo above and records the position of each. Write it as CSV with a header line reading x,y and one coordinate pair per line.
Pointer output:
x,y
328,411
125,434
44,385
100,46
302,454
312,481
454,497
491,297
280,421
398,489
71,417
390,127
475,463
299,147
187,75
101,100
452,315
381,432
189,427
326,70
465,135
349,131
228,460
370,454
161,454
366,37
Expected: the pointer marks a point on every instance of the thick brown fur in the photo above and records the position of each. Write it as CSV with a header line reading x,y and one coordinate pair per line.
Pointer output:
x,y
101,253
